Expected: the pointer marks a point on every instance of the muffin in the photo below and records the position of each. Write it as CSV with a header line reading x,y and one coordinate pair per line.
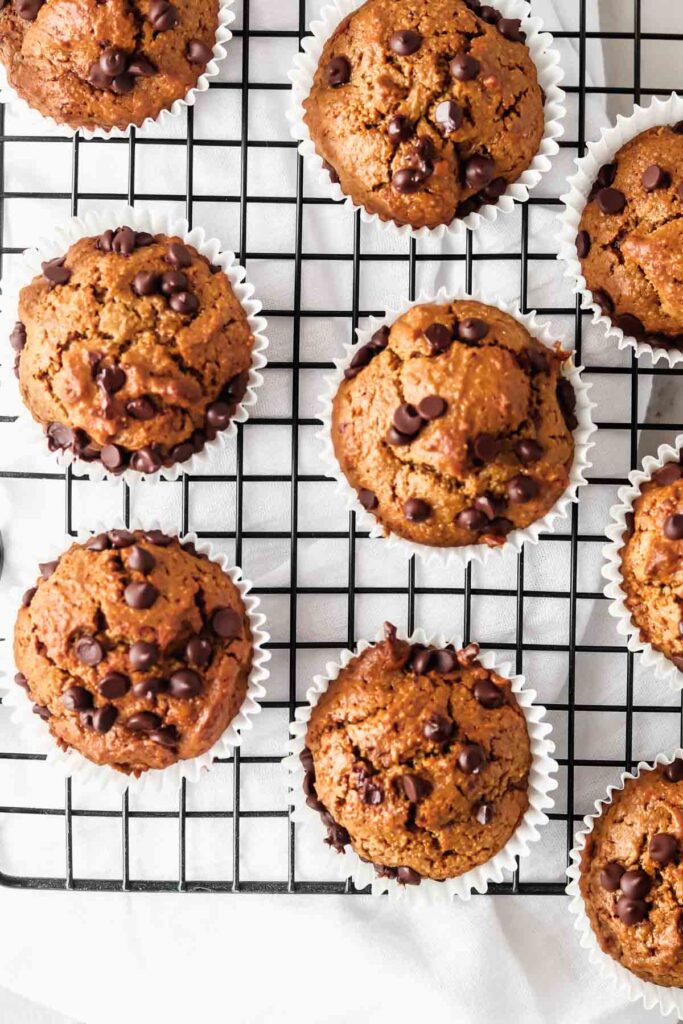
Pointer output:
x,y
631,234
134,649
419,759
132,350
630,877
651,565
423,110
89,64
454,426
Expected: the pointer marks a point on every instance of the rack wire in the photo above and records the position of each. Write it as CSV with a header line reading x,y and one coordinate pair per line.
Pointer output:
x,y
179,821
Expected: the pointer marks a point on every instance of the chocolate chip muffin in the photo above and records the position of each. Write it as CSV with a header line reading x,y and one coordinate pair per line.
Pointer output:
x,y
419,759
423,110
134,649
651,562
631,237
132,350
631,876
90,64
455,425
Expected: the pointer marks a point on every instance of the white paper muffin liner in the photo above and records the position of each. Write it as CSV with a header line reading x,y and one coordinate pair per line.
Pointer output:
x,y
667,1000
96,778
600,152
21,107
454,556
349,865
611,570
550,74
28,435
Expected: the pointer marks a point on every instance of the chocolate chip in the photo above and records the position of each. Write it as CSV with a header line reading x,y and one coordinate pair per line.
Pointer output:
x,y
630,524
141,408
654,177
123,84
121,538
415,787
114,685
663,848
522,489
478,172
448,115
405,43
55,272
583,244
123,242
143,721
184,684
407,876
488,694
471,520
439,337
674,772
100,542
338,72
631,911
472,329
610,200
408,180
606,175
17,338
528,451
371,793
673,527
400,128
635,884
47,568
140,596
89,651
184,303
146,283
113,61
486,447
146,460
421,660
445,661
143,655
174,281
510,29
603,300
367,499
218,415
198,52
21,680
337,836
167,737
28,9
630,325
407,420
489,14
494,190
142,67
42,712
28,596
610,876
198,651
471,759
484,814
149,689
416,510
438,728
464,67
77,698
178,255
226,623
162,15
141,560
489,504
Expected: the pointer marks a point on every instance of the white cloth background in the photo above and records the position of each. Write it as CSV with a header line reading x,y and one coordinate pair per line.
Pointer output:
x,y
106,958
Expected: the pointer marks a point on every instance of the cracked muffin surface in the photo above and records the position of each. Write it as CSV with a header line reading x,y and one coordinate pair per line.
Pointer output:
x,y
651,562
424,110
631,879
132,350
454,426
631,237
419,758
89,64
134,649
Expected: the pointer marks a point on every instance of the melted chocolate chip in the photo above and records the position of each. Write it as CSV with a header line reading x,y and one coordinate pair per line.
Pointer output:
x,y
438,728
471,520
635,884
167,736
55,272
478,172
185,684
141,408
674,772
198,52
146,460
367,499
528,451
77,698
17,338
407,876
178,255
415,787
416,510
407,420
400,128
162,15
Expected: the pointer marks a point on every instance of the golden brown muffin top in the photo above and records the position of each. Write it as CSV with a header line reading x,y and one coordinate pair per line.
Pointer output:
x,y
454,425
631,237
91,65
419,758
425,109
134,649
132,349
631,879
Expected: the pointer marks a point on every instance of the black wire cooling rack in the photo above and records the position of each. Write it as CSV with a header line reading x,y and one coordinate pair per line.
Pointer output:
x,y
119,824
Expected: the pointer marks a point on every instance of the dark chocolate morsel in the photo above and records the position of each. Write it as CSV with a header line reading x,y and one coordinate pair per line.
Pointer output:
x,y
583,244
484,814
655,177
488,694
162,15
663,848
674,772
141,560
472,329
448,115
528,451
140,596
198,651
55,272
464,67
635,884
88,651
367,499
407,876
226,623
185,684
472,520
167,736
17,338
417,510
438,728
121,538
114,685
673,527
486,447
143,655
143,721
146,460
178,255
610,876
610,200
440,338
400,128
198,52
478,172
405,43
631,911
415,787
522,489
471,759
77,698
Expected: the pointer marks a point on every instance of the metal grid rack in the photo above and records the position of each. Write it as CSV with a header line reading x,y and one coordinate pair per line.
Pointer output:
x,y
182,817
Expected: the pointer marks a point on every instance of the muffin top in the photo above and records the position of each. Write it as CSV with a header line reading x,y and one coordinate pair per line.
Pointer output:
x,y
134,649
652,562
419,758
90,64
132,349
631,879
630,242
455,425
425,109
